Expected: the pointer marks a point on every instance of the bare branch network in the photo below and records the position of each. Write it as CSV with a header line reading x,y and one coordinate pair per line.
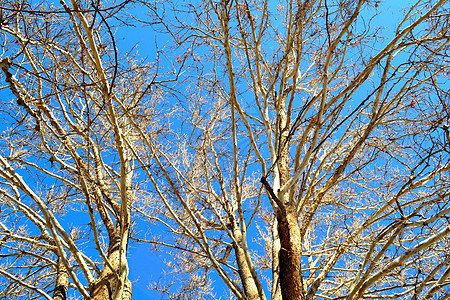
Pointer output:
x,y
267,150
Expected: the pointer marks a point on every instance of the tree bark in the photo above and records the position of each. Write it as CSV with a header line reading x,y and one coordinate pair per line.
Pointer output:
x,y
105,287
290,276
62,282
248,282
291,280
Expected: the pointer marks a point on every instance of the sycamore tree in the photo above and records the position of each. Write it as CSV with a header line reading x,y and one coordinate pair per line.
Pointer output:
x,y
275,150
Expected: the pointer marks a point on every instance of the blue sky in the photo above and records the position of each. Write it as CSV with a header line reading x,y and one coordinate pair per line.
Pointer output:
x,y
146,265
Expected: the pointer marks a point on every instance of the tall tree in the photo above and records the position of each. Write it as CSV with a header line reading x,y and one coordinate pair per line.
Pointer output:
x,y
292,150
65,134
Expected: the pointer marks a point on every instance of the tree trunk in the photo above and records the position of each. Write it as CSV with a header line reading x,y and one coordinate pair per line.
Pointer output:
x,y
290,276
62,282
248,282
291,280
105,287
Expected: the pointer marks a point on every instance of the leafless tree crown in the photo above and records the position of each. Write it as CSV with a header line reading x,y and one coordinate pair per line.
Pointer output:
x,y
270,150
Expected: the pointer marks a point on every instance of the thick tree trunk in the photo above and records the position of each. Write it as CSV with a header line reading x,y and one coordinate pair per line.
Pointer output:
x,y
105,287
62,282
290,276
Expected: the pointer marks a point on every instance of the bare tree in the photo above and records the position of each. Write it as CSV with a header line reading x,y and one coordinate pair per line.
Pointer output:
x,y
315,134
293,150
64,151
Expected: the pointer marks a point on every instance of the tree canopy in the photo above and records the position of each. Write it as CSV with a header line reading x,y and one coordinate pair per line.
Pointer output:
x,y
270,150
